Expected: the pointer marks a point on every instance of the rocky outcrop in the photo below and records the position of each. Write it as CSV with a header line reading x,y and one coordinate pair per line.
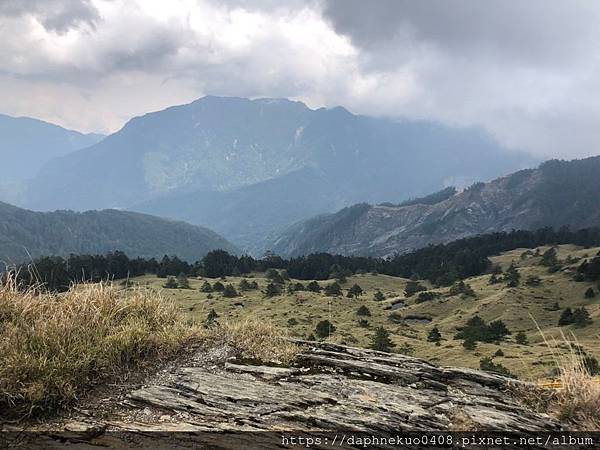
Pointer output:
x,y
330,387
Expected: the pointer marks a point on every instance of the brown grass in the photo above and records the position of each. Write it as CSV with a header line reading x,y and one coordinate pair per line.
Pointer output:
x,y
54,346
577,401
254,339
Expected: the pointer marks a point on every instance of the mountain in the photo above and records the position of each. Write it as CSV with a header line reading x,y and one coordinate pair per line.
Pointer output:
x,y
27,234
556,194
27,144
208,160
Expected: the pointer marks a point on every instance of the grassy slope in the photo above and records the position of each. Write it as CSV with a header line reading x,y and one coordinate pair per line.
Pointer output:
x,y
517,307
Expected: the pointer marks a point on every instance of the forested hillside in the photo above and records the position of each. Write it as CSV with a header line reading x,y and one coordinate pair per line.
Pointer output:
x,y
27,234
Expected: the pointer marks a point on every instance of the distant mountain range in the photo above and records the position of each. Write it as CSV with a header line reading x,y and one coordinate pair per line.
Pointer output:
x,y
557,194
27,144
27,234
250,168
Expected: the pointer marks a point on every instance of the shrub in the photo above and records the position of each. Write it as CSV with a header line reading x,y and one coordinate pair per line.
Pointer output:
x,y
581,317
477,330
381,341
499,352
274,276
490,366
412,287
378,296
211,318
313,286
469,343
426,296
333,289
434,335
355,291
218,286
206,287
363,311
462,288
590,293
182,281
324,329
512,276
406,349
272,290
363,323
171,283
229,291
521,338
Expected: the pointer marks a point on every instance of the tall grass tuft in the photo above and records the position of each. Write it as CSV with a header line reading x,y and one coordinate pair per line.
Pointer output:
x,y
54,346
577,401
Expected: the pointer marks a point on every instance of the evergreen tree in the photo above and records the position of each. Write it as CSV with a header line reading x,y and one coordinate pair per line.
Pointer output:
x,y
229,291
333,289
488,365
355,291
211,317
512,276
581,317
533,280
406,349
378,297
324,329
206,287
183,281
412,287
521,338
171,283
470,344
381,341
363,311
566,318
434,335
590,293
313,286
244,285
272,290
218,286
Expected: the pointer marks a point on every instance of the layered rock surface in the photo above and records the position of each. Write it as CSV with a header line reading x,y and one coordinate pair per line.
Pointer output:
x,y
330,387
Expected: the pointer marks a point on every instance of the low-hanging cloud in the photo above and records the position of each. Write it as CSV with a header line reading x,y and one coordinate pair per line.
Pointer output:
x,y
525,71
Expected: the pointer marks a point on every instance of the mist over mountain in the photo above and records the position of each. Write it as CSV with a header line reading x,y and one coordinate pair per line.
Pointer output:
x,y
558,193
27,144
248,168
27,234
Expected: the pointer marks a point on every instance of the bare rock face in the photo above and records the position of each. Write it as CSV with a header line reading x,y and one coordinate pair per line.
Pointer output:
x,y
331,387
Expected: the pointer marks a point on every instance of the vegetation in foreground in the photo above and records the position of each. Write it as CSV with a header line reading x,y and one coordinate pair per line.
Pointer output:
x,y
53,347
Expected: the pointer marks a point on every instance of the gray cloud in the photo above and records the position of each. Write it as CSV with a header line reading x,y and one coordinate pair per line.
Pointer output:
x,y
55,15
525,71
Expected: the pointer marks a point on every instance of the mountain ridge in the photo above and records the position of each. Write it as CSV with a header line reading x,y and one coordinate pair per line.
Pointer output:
x,y
28,234
557,193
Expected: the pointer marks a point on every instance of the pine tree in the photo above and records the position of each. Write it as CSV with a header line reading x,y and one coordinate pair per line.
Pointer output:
x,y
333,289
434,335
566,318
355,291
218,286
363,311
206,287
581,317
313,286
381,340
521,338
211,317
229,291
469,344
590,293
324,329
272,290
171,283
512,275
183,281
378,297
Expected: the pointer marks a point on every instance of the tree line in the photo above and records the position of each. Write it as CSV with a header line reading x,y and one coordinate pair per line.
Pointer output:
x,y
442,264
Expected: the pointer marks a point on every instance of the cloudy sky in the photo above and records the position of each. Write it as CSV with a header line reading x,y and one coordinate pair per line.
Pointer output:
x,y
527,71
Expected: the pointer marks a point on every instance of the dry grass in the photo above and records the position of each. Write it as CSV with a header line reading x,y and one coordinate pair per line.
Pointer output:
x,y
53,346
255,340
577,401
